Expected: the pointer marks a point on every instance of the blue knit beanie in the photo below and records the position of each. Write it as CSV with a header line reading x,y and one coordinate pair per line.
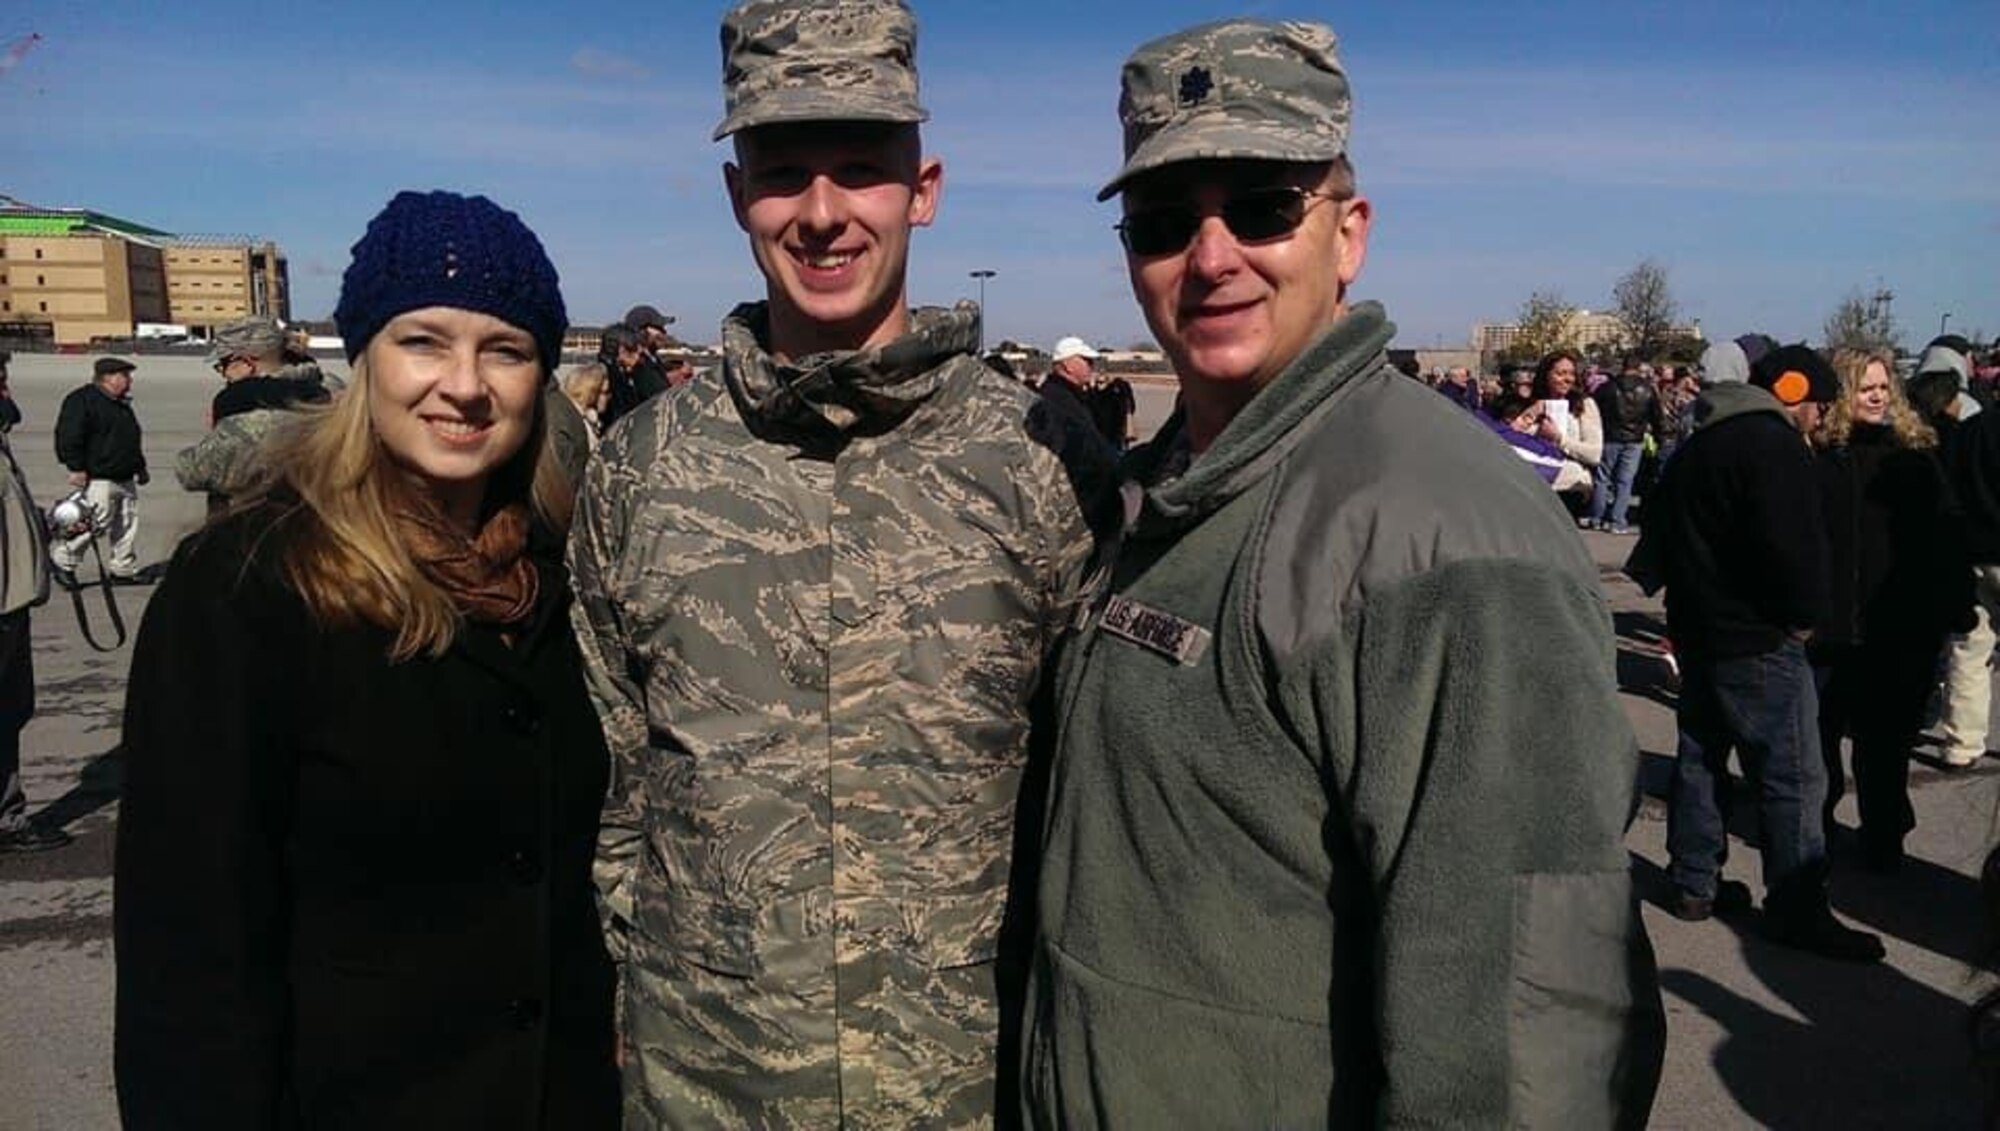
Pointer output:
x,y
443,249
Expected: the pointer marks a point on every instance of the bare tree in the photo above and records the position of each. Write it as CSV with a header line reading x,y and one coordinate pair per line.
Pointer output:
x,y
1548,323
1861,322
1646,308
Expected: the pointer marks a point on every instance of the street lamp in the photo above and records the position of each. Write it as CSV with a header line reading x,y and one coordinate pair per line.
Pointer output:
x,y
982,275
1942,319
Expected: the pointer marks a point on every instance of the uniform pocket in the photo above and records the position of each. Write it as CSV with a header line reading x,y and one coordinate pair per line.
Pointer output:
x,y
720,937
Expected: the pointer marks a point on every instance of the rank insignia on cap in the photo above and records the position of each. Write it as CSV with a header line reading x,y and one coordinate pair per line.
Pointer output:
x,y
1195,85
1154,630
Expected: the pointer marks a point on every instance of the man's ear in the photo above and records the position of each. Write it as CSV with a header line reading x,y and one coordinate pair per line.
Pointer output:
x,y
928,190
1356,217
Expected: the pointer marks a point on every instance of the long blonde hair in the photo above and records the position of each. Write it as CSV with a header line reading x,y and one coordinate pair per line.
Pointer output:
x,y
1906,425
342,550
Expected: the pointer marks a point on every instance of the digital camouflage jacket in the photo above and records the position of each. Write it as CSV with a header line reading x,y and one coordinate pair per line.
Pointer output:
x,y
815,599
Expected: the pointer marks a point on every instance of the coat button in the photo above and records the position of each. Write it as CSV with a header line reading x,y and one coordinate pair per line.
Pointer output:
x,y
526,867
524,1012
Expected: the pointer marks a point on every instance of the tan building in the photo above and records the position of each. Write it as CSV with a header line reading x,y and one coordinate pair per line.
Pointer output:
x,y
69,276
215,280
1587,329
68,283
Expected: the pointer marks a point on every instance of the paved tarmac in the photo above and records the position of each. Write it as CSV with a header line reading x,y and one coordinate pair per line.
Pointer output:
x,y
1758,1035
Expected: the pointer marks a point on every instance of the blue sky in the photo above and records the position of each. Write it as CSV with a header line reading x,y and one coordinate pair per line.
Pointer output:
x,y
1774,157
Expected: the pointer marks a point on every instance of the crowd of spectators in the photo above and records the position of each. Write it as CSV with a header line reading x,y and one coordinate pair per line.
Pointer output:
x,y
1831,562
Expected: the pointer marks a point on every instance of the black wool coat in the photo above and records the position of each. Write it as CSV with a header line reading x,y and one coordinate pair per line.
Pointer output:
x,y
350,893
1899,573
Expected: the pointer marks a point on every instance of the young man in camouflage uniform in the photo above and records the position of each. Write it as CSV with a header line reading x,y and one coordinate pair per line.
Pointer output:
x,y
815,593
260,390
1335,827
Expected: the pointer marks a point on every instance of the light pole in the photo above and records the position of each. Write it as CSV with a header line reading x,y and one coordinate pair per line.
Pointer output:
x,y
982,275
1942,319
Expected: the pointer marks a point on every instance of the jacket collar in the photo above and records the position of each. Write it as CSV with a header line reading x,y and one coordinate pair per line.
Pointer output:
x,y
827,396
1183,489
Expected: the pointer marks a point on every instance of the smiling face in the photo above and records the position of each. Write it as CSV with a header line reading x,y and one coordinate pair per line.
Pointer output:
x,y
1562,378
1232,312
828,208
452,396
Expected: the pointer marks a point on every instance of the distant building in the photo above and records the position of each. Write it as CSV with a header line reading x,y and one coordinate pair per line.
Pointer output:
x,y
1588,329
216,280
69,276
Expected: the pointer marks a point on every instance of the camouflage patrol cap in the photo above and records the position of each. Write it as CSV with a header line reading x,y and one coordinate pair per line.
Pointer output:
x,y
252,337
818,61
1235,88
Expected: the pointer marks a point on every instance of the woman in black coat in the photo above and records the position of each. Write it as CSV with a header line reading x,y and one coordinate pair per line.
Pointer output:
x,y
1900,582
362,772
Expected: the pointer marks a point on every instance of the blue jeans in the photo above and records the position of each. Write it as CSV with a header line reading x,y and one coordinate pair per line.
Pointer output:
x,y
1767,708
1613,481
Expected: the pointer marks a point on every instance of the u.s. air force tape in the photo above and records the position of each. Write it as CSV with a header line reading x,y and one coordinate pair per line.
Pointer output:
x,y
1179,640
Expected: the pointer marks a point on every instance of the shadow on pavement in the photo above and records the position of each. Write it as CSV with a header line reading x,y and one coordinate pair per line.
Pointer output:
x,y
97,785
1870,1047
1924,904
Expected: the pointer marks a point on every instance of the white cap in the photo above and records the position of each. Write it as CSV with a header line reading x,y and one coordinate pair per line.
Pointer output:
x,y
1072,347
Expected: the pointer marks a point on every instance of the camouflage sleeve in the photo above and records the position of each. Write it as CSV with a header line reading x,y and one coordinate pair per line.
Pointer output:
x,y
215,462
596,545
1075,499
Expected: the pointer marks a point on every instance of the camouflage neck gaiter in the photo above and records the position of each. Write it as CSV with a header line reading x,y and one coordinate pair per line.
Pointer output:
x,y
827,395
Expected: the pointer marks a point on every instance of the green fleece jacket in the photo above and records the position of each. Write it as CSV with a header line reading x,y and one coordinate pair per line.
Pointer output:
x,y
1335,823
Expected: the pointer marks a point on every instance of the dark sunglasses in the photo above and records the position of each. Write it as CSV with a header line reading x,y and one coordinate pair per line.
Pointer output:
x,y
1252,217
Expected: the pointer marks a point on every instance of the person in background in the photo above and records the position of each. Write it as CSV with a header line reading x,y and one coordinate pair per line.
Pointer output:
x,y
1678,390
1570,418
1899,583
1112,404
1966,702
1071,363
1518,420
99,440
1317,855
1628,408
1735,535
574,430
1943,378
372,908
24,583
10,413
588,387
634,375
250,356
1459,388
646,321
259,393
1937,390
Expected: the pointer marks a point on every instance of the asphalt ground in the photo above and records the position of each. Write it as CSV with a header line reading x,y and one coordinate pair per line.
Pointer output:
x,y
1758,1035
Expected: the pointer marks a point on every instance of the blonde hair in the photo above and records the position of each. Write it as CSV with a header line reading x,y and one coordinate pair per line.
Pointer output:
x,y
341,548
583,384
1906,425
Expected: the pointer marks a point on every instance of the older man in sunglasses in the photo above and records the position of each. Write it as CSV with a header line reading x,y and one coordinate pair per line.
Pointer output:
x,y
1334,829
